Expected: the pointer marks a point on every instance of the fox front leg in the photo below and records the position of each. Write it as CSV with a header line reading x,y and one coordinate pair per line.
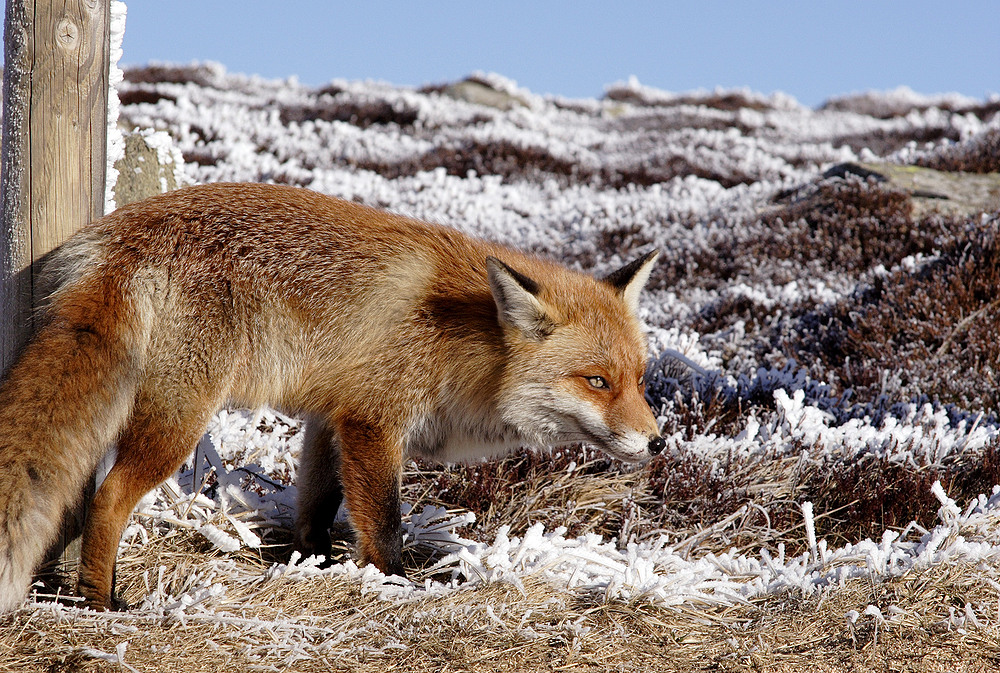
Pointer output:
x,y
371,465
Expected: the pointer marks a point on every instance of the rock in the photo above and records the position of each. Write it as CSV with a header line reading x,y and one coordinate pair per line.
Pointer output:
x,y
844,170
151,166
945,192
473,91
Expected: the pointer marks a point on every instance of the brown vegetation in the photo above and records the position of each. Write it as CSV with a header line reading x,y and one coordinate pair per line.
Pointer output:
x,y
923,331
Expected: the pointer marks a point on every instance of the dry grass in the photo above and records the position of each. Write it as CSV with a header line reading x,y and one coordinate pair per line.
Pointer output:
x,y
498,627
337,625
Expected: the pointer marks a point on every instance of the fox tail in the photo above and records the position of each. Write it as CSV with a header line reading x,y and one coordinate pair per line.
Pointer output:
x,y
62,405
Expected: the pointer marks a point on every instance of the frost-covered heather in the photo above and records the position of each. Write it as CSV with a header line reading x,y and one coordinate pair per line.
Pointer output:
x,y
744,295
581,180
663,571
660,570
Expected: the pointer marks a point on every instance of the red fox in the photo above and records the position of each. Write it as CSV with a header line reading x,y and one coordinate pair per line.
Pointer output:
x,y
392,337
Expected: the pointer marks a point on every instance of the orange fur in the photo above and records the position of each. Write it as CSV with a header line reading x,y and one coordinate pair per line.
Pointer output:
x,y
394,337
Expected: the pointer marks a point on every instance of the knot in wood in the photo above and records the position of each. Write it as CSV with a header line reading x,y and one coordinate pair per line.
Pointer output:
x,y
67,34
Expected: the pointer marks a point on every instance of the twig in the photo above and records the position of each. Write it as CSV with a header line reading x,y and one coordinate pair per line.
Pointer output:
x,y
962,326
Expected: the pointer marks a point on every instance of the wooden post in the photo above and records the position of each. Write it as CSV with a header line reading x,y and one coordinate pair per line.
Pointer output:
x,y
15,191
55,97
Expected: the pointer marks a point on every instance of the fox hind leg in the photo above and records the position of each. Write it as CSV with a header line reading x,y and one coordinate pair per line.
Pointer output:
x,y
320,490
154,444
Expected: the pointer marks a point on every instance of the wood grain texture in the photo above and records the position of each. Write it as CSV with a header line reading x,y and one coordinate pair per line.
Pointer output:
x,y
55,137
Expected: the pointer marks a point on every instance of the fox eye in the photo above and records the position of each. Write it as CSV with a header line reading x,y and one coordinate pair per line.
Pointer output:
x,y
642,381
597,382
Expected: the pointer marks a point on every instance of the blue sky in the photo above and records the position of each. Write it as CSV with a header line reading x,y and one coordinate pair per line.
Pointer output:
x,y
811,50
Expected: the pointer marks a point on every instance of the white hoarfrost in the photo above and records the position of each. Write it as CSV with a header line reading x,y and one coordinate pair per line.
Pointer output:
x,y
660,570
115,140
241,482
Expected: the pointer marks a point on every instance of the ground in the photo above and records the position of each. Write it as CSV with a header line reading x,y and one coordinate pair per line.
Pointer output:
x,y
824,367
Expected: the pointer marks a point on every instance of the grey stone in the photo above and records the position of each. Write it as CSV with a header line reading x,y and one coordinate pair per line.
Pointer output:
x,y
945,192
140,173
478,93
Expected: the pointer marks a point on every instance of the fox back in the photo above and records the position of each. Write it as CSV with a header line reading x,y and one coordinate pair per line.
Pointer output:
x,y
393,337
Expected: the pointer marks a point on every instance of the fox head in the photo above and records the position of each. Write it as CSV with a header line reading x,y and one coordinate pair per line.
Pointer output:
x,y
577,357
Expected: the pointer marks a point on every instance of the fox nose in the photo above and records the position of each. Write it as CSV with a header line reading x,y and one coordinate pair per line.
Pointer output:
x,y
656,445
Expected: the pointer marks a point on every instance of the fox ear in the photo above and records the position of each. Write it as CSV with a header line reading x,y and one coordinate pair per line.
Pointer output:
x,y
517,301
629,280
